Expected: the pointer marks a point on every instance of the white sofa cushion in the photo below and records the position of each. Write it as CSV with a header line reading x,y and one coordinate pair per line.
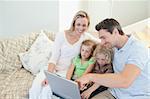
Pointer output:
x,y
141,30
38,55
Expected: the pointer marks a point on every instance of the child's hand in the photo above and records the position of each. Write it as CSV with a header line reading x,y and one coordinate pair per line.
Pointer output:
x,y
45,82
84,87
86,94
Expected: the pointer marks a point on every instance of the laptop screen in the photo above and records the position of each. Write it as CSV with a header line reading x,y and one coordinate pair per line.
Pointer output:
x,y
63,87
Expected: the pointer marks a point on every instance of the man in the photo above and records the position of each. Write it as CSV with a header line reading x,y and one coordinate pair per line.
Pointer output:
x,y
131,77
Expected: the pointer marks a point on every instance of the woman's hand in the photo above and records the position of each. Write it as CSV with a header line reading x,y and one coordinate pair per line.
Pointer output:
x,y
45,82
51,67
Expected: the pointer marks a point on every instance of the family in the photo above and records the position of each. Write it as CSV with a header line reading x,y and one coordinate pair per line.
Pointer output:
x,y
115,68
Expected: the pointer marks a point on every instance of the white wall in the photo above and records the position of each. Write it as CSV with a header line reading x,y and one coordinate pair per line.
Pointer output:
x,y
67,10
130,11
24,16
149,8
97,10
125,11
0,18
19,17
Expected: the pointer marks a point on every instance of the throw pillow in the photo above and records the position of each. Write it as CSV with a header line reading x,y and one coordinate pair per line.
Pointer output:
x,y
144,35
38,55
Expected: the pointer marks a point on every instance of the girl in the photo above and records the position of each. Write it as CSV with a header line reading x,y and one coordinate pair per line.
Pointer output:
x,y
103,56
83,63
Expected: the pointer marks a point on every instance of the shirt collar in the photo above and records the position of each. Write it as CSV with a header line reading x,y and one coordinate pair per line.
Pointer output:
x,y
127,44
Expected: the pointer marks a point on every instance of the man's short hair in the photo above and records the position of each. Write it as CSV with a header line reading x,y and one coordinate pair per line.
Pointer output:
x,y
109,24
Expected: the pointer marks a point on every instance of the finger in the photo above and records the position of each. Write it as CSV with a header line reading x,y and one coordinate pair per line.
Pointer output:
x,y
83,87
85,98
80,84
82,95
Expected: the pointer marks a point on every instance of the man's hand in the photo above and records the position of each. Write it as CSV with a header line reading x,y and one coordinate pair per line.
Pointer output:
x,y
82,81
45,82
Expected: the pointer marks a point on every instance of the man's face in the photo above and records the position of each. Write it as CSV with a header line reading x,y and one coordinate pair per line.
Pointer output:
x,y
107,39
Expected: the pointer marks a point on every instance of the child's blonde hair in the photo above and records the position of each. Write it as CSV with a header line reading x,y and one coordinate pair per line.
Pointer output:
x,y
90,43
108,52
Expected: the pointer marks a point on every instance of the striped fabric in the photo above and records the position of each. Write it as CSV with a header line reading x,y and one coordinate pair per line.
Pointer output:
x,y
15,81
16,85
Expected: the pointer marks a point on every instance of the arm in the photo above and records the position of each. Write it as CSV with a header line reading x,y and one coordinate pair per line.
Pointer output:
x,y
51,68
118,80
94,87
55,52
89,69
86,94
70,71
55,56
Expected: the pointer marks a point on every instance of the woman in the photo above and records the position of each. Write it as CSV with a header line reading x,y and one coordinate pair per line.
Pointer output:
x,y
66,46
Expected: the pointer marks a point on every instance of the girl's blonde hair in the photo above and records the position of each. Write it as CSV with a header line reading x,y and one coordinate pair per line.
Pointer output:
x,y
90,43
108,52
79,14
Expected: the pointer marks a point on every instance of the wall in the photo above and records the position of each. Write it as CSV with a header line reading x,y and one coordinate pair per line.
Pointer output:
x,y
67,10
128,12
149,8
19,17
23,16
97,10
125,11
0,18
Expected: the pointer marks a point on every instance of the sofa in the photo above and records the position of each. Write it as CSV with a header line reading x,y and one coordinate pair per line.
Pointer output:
x,y
15,80
141,31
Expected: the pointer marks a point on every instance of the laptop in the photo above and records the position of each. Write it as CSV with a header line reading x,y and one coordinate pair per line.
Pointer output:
x,y
63,87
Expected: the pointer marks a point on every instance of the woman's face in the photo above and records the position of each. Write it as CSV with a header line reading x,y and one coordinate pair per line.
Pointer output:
x,y
101,59
81,25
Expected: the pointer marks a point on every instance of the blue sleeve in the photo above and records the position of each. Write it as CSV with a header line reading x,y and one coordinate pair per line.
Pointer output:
x,y
138,57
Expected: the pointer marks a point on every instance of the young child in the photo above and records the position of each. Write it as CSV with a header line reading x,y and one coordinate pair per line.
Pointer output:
x,y
83,63
103,57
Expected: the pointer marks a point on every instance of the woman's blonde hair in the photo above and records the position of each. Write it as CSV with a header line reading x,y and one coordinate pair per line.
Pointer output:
x,y
108,52
79,14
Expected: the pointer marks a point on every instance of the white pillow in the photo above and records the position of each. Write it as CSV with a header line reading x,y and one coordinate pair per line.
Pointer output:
x,y
38,55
